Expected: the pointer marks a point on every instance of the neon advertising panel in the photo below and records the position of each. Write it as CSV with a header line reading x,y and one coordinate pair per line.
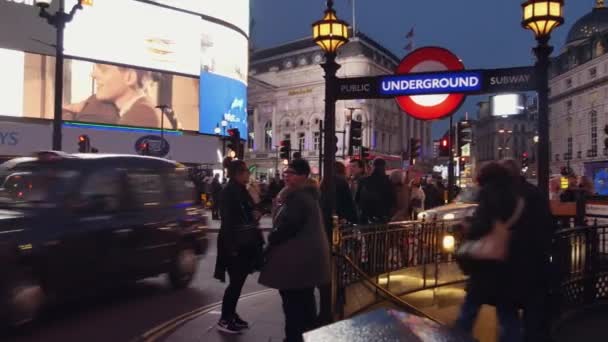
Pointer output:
x,y
223,79
235,12
137,34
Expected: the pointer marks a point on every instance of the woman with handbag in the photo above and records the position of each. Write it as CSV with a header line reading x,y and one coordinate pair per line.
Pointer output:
x,y
240,243
484,255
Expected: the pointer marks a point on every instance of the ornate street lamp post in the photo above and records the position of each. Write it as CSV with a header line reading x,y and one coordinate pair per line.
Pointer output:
x,y
541,17
330,33
58,20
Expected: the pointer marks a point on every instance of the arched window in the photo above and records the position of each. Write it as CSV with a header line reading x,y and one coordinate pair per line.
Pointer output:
x,y
268,136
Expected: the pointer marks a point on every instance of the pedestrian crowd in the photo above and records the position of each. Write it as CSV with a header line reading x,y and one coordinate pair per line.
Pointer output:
x,y
505,253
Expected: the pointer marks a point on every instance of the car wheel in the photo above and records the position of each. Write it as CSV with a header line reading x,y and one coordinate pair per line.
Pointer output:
x,y
25,299
183,267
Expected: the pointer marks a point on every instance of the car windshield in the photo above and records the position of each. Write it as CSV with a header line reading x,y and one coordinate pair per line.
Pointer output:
x,y
28,188
467,195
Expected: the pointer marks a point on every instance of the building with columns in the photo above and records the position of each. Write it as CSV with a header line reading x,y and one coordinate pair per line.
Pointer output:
x,y
579,97
286,102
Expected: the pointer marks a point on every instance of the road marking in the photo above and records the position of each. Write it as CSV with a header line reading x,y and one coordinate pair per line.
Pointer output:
x,y
165,328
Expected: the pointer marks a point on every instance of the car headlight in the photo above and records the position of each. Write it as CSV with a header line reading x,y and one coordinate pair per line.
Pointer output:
x,y
422,215
449,216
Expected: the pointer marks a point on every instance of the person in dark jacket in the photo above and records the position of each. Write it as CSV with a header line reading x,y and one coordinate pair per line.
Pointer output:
x,y
298,252
529,257
491,282
375,194
345,205
237,212
216,189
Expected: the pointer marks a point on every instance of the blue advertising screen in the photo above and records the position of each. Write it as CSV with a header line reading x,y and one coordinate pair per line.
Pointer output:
x,y
222,98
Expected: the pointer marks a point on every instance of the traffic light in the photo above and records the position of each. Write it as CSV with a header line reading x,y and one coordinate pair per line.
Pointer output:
x,y
355,140
462,164
285,150
444,147
464,135
524,160
234,138
414,149
364,153
84,144
144,148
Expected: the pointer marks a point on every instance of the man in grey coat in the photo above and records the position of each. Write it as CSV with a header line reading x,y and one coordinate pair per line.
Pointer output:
x,y
298,251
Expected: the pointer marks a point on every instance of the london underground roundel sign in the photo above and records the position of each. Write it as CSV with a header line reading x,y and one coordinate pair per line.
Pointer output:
x,y
430,107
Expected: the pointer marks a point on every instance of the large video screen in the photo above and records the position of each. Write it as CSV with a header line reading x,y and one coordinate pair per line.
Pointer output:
x,y
235,12
223,81
97,93
222,98
22,29
135,33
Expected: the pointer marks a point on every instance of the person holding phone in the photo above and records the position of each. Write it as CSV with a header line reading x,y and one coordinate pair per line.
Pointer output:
x,y
240,243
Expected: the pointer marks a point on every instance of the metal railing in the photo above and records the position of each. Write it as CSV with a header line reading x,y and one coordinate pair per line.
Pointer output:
x,y
580,266
399,258
381,262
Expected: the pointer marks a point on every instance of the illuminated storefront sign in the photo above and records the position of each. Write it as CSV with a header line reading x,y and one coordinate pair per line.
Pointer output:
x,y
431,84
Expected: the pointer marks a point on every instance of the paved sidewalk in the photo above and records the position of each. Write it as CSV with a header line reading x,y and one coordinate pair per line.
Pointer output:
x,y
262,310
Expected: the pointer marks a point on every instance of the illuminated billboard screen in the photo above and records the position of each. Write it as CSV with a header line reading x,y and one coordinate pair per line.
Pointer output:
x,y
235,12
222,98
22,29
97,92
223,80
507,104
138,34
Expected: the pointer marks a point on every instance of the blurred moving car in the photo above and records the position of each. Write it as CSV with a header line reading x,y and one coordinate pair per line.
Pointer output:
x,y
74,223
464,205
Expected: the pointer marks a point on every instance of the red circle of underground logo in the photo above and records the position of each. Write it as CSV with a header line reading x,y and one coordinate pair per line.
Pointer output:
x,y
430,107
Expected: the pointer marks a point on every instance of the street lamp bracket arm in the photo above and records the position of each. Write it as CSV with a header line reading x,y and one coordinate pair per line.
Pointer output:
x,y
76,7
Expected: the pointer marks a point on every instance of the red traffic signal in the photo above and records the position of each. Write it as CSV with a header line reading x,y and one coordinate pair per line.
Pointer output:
x,y
84,143
525,155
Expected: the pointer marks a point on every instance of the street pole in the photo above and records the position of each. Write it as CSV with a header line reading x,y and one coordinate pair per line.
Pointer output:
x,y
321,149
58,111
543,51
328,185
451,160
163,109
58,21
224,142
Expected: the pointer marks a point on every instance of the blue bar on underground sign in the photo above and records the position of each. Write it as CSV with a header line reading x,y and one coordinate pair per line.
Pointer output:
x,y
441,83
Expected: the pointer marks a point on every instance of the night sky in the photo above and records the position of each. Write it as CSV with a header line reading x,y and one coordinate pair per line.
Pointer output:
x,y
483,33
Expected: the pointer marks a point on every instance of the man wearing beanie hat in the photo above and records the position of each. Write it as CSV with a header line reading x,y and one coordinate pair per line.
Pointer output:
x,y
298,250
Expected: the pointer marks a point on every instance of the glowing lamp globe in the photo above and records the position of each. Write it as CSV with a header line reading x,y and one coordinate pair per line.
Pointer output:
x,y
43,3
330,33
542,16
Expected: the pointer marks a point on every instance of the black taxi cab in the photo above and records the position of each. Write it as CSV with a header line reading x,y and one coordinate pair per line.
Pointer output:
x,y
70,222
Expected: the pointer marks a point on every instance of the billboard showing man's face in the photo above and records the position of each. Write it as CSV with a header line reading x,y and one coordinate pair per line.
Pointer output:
x,y
98,93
